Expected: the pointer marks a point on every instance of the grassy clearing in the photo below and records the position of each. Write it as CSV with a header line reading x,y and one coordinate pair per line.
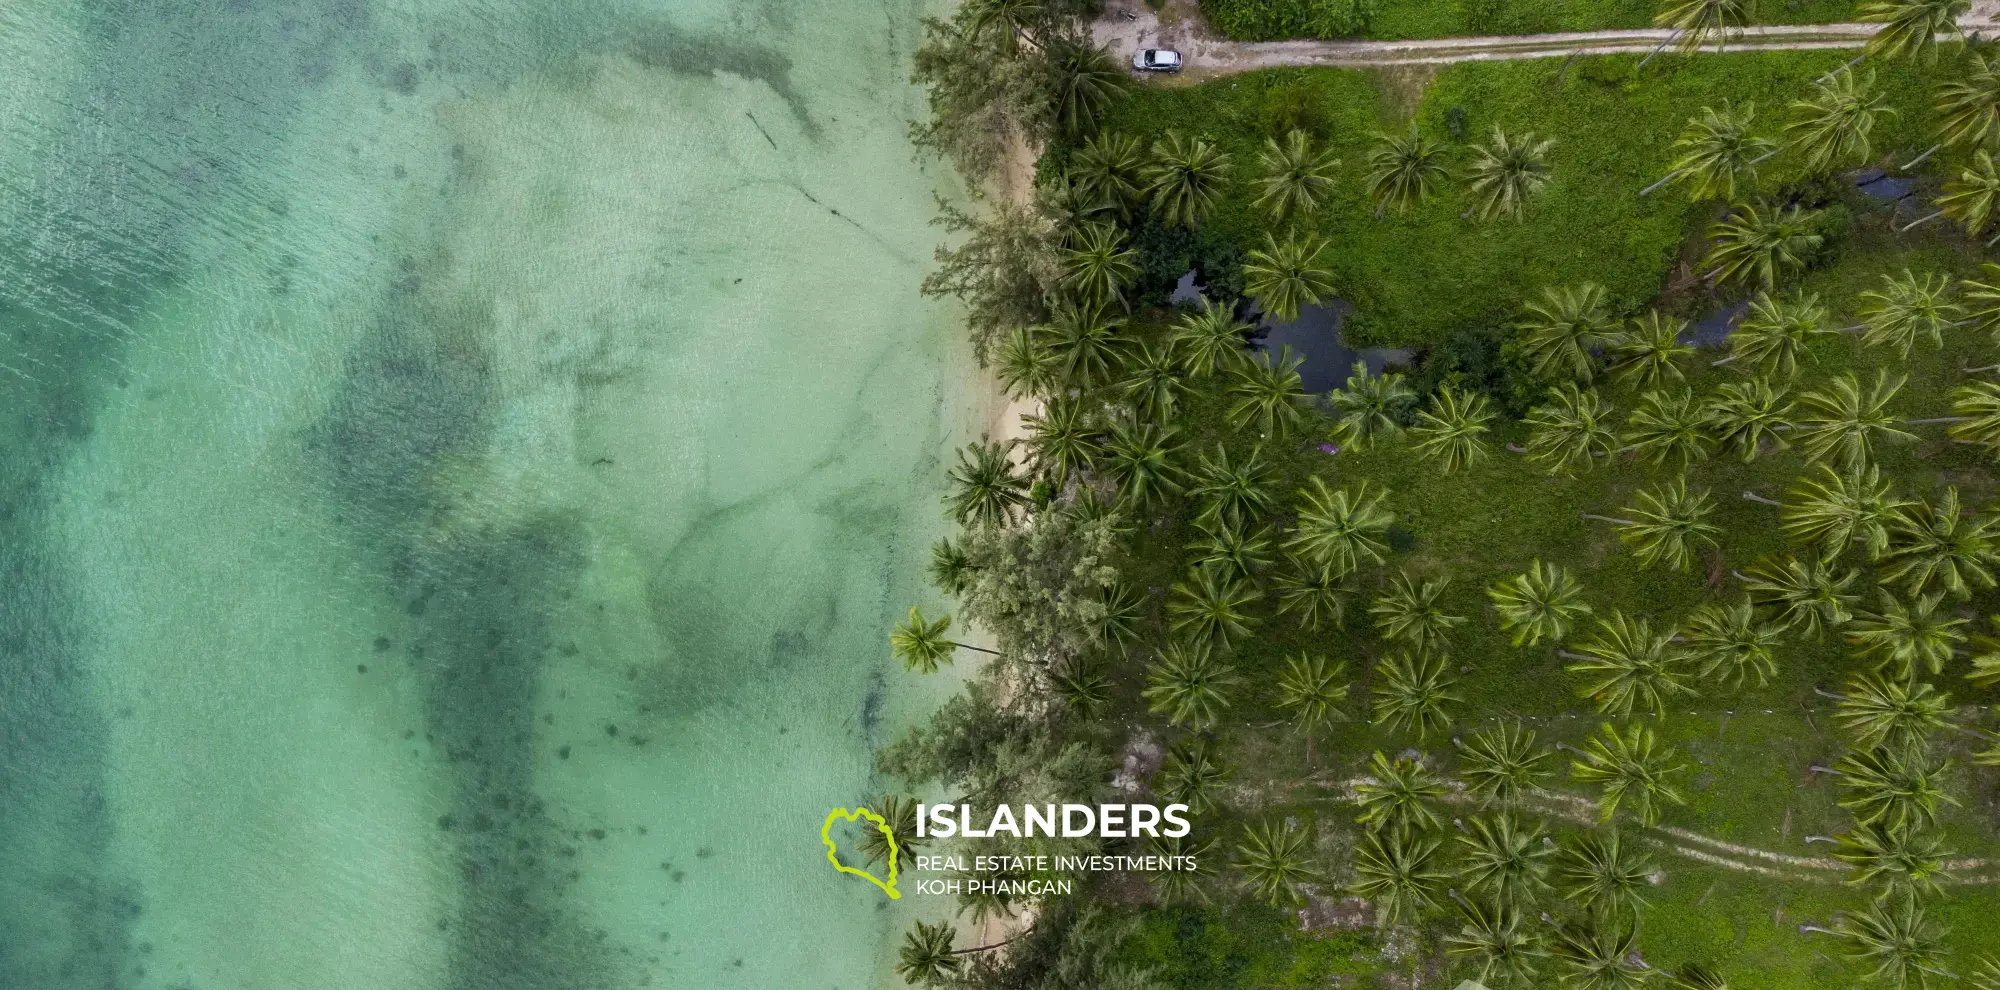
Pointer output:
x,y
1264,20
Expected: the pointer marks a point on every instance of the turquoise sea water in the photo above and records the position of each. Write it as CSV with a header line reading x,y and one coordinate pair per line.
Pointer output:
x,y
460,460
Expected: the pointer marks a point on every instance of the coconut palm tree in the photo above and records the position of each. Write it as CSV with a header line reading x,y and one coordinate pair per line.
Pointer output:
x,y
1502,763
1235,492
1311,689
1630,666
1142,457
1185,179
1083,83
1890,711
1978,406
900,815
986,487
1761,245
1269,394
1233,550
1776,332
1285,275
1097,265
1748,416
1840,509
1807,594
1316,592
1970,198
1937,548
1339,528
927,957
1985,670
1498,940
1559,331
1831,127
1209,340
1633,769
922,645
1908,307
1904,862
1454,428
1842,423
1900,637
1397,794
1276,860
1605,875
1061,440
1083,686
1027,368
951,567
1507,860
1569,432
1695,976
1599,958
1895,935
1645,355
1409,612
1187,884
1893,788
1370,407
1668,526
1986,976
1968,109
1011,21
1109,173
1192,773
1539,603
1732,642
1668,428
1911,27
1210,607
1152,384
1697,21
1506,172
1085,342
1718,152
1190,684
1296,178
1122,609
1404,170
1412,692
1397,872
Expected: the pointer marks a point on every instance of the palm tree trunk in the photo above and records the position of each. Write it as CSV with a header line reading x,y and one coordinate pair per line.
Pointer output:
x,y
1609,519
1935,420
1671,176
1759,160
1978,371
1820,838
1658,48
1816,768
1514,448
1567,655
1754,497
1722,361
1740,576
1995,239
994,945
1913,162
981,649
1816,928
1849,64
1828,694
1912,225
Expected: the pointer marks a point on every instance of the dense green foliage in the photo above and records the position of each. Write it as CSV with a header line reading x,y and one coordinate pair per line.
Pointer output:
x,y
1264,20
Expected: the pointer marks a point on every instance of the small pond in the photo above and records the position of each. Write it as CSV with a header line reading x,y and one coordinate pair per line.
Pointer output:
x,y
1315,336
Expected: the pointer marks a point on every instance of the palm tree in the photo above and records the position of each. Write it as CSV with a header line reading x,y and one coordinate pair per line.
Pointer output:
x,y
1893,788
1508,860
1152,382
1190,685
1747,416
1317,592
1559,331
1085,342
922,645
927,957
1985,670
1732,642
1083,686
1191,774
1776,332
1404,170
1699,20
1012,20
1454,428
1411,693
1935,548
1841,509
1840,421
1496,937
1809,594
1634,770
1630,665
1717,151
1987,975
1907,307
1911,27
1695,976
1902,942
1502,763
1285,275
1370,407
1209,607
1506,172
1061,440
1186,884
1645,355
1234,550
1968,109
1901,637
1186,178
1312,688
952,569
1209,340
1970,198
987,488
1275,859
1234,492
1396,793
1109,172
1397,872
1097,266
1976,406
1123,607
1605,875
1027,368
1601,959
1539,603
1889,711
1831,127
1669,525
1141,456
1570,431
1409,612
1296,178
1669,428
1907,863
1339,528
1761,245
1084,82
1269,395
900,814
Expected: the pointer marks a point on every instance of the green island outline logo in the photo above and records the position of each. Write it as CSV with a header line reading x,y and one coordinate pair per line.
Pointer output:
x,y
826,836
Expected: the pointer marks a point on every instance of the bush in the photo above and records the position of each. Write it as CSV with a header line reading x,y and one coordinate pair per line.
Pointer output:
x,y
1267,20
1292,107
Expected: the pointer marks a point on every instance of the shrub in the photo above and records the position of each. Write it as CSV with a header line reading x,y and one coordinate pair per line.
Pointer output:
x,y
1266,20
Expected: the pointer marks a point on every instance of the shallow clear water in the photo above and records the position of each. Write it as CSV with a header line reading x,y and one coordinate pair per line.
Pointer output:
x,y
460,461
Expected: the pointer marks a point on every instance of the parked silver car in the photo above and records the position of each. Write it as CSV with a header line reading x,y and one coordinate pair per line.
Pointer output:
x,y
1156,60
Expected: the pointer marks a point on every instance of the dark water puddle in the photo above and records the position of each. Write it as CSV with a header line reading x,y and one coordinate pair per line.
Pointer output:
x,y
1714,329
1315,336
1875,183
1187,291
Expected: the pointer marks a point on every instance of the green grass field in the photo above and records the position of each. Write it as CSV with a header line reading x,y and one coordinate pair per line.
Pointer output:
x,y
1263,20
